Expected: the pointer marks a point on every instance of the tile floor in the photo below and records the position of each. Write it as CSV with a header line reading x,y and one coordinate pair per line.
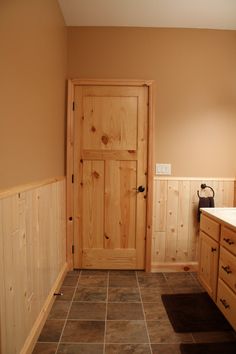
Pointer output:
x,y
116,312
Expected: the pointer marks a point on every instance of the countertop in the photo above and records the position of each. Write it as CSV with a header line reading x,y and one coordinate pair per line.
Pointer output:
x,y
225,215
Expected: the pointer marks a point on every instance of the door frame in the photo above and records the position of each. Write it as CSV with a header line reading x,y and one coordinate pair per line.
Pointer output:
x,y
70,232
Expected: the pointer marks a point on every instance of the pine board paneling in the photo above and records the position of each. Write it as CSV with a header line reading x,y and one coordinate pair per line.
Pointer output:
x,y
176,228
32,254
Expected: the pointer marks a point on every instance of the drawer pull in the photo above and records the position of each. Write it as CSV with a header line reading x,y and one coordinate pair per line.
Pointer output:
x,y
227,269
230,242
213,249
224,303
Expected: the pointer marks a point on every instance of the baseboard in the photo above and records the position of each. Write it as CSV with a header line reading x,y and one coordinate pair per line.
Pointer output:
x,y
39,323
175,267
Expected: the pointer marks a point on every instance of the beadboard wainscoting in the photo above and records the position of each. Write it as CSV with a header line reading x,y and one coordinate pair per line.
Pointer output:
x,y
175,223
32,259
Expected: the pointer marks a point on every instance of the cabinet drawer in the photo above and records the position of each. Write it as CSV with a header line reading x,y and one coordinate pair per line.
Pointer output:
x,y
226,301
227,268
210,227
228,239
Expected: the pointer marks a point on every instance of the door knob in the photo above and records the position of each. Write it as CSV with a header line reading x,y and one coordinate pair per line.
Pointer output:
x,y
140,189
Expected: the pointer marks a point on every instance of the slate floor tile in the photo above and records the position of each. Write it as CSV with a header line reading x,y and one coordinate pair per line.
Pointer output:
x,y
155,311
80,348
84,332
88,311
59,310
124,311
128,349
70,280
126,332
154,294
67,293
93,281
93,294
51,331
162,332
123,295
123,281
45,348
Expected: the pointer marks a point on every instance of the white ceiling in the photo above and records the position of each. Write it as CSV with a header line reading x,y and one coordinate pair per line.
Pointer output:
x,y
214,14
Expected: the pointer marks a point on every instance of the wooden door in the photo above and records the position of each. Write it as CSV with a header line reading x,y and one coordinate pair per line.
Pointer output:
x,y
110,162
208,263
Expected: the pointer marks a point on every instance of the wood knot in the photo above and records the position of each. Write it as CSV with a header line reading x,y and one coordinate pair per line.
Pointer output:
x,y
96,174
106,236
131,151
186,269
93,129
105,139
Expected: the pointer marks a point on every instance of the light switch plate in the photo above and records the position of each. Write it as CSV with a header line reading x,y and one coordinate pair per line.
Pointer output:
x,y
163,169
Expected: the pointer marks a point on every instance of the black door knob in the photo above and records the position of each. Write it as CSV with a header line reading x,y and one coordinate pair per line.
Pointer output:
x,y
140,189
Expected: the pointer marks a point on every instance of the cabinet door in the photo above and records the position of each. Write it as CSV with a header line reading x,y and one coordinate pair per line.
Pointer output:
x,y
208,264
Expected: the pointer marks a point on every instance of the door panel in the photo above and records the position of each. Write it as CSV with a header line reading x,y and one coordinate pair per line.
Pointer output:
x,y
117,129
120,196
93,203
110,163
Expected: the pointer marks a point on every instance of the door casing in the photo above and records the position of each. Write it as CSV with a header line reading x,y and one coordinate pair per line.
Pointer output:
x,y
71,232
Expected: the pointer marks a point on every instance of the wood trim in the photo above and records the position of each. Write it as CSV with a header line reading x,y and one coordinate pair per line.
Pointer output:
x,y
164,178
77,230
29,186
175,267
150,171
39,323
111,82
70,131
234,193
69,173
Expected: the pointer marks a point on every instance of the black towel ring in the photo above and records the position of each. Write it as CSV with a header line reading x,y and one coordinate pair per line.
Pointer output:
x,y
203,186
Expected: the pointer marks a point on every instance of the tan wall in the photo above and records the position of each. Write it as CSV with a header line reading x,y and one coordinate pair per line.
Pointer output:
x,y
195,75
33,63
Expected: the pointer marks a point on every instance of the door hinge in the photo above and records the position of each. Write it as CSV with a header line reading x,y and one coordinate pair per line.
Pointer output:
x,y
73,105
73,249
72,179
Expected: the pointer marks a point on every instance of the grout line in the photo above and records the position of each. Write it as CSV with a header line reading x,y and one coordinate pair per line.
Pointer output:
x,y
105,329
145,321
68,313
164,275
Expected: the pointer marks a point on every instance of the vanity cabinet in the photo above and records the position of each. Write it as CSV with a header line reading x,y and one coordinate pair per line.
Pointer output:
x,y
209,255
217,263
226,298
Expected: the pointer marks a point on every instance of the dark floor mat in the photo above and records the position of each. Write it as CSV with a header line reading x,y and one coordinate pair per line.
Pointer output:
x,y
209,348
194,313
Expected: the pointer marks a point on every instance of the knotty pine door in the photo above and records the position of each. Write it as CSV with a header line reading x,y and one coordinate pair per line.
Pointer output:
x,y
110,163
